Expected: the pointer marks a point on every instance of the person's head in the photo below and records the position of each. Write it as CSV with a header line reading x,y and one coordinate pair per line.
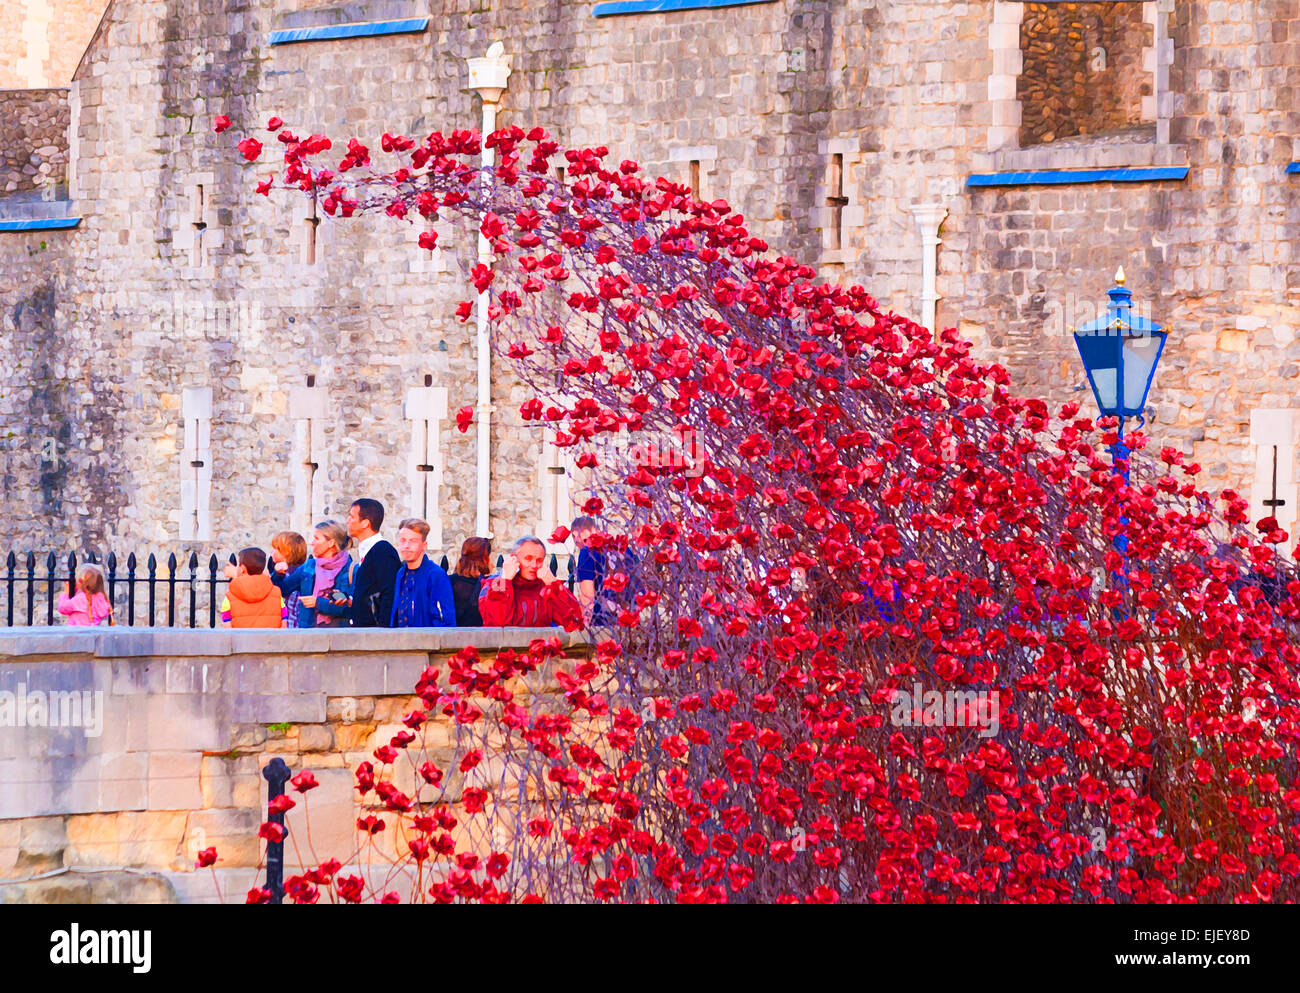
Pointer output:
x,y
474,558
90,580
582,527
252,561
412,541
290,548
531,553
328,538
365,517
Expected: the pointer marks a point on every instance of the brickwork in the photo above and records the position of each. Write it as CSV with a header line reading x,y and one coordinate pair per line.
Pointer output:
x,y
33,140
912,96
186,721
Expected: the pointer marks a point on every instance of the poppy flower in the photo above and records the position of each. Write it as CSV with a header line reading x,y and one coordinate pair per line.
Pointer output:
x,y
281,804
274,833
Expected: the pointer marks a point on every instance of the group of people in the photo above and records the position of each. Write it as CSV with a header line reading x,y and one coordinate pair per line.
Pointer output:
x,y
318,583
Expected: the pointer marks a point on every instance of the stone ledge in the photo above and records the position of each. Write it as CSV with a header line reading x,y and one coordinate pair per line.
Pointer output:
x,y
351,13
19,207
1099,155
190,643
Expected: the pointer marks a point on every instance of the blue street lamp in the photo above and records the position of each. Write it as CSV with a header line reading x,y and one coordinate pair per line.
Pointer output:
x,y
1120,351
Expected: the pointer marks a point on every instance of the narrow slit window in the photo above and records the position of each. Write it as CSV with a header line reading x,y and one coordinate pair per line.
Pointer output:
x,y
837,201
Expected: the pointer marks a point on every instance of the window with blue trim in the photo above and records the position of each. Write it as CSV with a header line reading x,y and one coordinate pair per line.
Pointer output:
x,y
1079,92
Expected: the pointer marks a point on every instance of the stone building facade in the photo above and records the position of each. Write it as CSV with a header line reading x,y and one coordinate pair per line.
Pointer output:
x,y
195,364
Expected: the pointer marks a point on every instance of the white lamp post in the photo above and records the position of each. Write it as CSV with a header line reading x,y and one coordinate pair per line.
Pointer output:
x,y
487,77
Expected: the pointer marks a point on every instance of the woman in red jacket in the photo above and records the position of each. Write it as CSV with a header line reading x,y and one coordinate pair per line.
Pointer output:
x,y
527,594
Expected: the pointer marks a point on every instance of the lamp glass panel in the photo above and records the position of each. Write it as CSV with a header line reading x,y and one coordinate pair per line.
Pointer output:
x,y
1139,360
1105,385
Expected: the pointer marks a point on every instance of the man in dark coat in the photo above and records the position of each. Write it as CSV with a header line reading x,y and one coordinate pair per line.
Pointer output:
x,y
372,596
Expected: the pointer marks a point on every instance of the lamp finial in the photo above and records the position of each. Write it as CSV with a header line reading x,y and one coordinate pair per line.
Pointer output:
x,y
1119,276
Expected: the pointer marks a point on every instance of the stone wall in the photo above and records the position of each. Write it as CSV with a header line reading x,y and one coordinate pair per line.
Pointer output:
x,y
164,756
1082,72
763,97
12,47
34,141
41,41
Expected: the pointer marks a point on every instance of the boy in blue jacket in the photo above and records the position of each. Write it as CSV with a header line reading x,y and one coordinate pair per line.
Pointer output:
x,y
422,595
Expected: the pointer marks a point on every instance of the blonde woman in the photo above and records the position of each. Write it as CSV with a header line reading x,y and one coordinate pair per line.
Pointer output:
x,y
326,599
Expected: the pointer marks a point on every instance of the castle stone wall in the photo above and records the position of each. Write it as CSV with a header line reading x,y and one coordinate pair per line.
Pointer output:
x,y
902,99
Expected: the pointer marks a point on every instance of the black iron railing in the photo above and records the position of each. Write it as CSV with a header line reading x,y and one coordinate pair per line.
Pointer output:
x,y
177,593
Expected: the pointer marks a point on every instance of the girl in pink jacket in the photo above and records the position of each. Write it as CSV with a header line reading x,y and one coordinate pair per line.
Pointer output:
x,y
87,604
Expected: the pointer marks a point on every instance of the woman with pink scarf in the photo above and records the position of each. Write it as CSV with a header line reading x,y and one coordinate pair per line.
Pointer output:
x,y
326,596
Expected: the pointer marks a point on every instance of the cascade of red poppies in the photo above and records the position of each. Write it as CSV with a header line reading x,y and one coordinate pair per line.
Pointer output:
x,y
872,637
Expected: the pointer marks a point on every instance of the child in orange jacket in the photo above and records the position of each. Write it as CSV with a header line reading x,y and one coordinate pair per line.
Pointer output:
x,y
252,600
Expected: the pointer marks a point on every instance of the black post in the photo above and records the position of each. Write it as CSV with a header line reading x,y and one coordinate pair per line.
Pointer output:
x,y
31,587
153,578
112,578
276,774
12,563
51,568
212,592
444,564
171,590
130,589
72,576
194,586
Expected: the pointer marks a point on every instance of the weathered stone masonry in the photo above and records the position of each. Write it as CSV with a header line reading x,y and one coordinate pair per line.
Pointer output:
x,y
181,724
33,140
807,115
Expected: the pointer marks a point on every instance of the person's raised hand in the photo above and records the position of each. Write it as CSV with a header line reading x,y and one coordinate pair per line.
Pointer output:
x,y
545,575
510,568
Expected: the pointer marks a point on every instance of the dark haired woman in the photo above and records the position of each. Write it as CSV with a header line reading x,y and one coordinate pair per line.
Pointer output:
x,y
467,578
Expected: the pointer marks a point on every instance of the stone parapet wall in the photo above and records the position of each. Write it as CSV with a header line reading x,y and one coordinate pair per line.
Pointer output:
x,y
183,723
33,142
